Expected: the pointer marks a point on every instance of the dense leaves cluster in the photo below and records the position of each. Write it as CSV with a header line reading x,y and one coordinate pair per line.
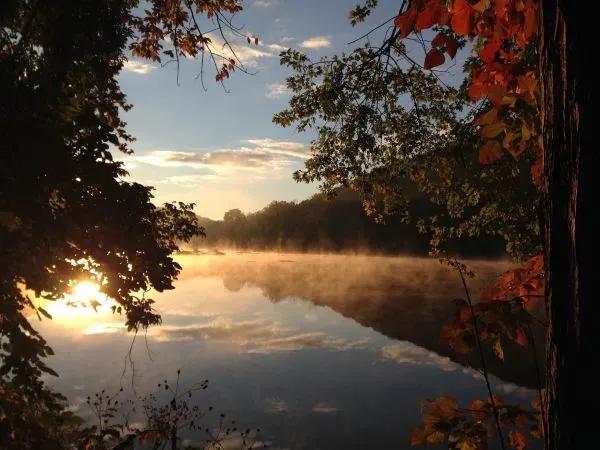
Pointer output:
x,y
386,118
445,422
388,127
67,210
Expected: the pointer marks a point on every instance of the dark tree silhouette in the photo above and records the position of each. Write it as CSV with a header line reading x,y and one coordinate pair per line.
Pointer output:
x,y
570,221
67,210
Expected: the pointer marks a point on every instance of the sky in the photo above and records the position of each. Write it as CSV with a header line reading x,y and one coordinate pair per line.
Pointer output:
x,y
220,149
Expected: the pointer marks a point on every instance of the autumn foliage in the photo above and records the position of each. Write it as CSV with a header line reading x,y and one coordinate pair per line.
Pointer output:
x,y
503,73
503,82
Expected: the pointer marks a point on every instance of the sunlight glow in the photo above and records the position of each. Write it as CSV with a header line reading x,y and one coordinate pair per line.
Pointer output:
x,y
86,291
82,305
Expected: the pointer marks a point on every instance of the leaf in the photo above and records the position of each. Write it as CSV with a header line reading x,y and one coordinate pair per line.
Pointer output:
x,y
45,313
451,46
439,40
94,304
481,5
462,17
525,132
488,117
417,436
429,16
406,21
489,51
498,350
517,439
493,129
433,59
521,338
508,139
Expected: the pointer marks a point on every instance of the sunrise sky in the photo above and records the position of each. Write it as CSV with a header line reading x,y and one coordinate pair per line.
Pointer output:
x,y
221,150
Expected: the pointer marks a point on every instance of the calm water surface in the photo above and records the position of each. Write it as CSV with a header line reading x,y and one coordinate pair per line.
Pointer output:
x,y
320,352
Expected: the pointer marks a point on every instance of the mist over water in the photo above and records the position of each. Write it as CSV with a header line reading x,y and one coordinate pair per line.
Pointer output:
x,y
319,351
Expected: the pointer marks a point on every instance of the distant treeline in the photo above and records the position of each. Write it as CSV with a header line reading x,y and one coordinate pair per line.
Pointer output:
x,y
327,225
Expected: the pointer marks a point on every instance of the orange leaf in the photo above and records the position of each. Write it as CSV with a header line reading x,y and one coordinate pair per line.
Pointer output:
x,y
417,437
493,129
498,350
481,5
433,59
489,51
490,152
462,17
487,117
517,439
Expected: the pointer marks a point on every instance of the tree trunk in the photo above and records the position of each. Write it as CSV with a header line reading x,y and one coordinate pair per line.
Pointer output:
x,y
568,56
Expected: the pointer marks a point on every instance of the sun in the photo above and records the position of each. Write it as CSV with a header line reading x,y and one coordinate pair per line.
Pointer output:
x,y
85,291
83,303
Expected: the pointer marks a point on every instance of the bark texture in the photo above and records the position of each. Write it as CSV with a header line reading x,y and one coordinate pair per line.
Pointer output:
x,y
568,51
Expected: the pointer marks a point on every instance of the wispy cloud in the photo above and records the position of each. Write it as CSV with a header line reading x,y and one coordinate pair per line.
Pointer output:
x,y
259,154
138,67
277,90
264,3
277,48
289,148
248,55
324,408
407,353
257,336
316,42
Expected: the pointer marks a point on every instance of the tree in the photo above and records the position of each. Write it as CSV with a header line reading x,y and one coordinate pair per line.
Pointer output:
x,y
570,221
67,211
505,73
388,128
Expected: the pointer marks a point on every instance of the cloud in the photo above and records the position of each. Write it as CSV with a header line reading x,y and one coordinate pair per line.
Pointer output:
x,y
277,48
264,3
256,336
138,67
407,353
189,181
290,148
275,405
287,39
324,408
316,42
261,154
277,90
247,54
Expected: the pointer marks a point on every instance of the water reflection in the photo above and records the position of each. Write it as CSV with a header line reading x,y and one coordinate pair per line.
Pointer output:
x,y
319,351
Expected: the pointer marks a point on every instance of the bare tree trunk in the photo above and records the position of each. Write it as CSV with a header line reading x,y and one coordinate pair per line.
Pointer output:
x,y
568,59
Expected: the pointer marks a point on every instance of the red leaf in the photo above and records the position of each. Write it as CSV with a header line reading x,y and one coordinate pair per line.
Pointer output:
x,y
434,58
489,51
429,16
406,21
439,40
451,46
521,338
462,17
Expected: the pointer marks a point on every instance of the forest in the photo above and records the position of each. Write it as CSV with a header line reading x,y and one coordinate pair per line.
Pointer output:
x,y
330,224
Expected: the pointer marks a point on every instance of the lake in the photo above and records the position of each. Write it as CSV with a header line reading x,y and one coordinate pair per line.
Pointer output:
x,y
318,351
